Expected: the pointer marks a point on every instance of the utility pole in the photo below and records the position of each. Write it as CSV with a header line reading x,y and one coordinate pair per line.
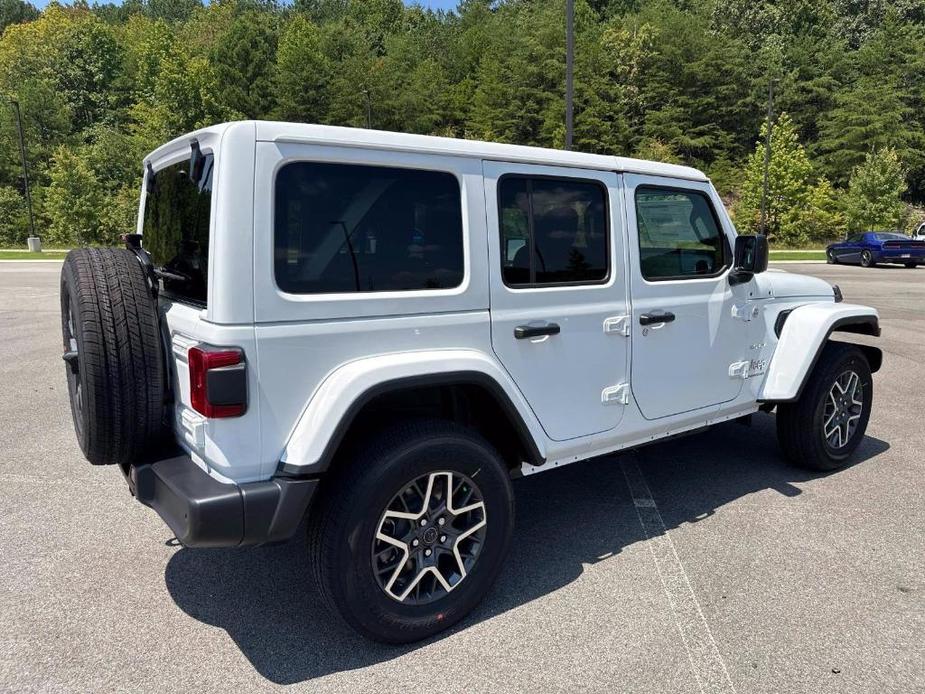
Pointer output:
x,y
569,70
25,169
767,159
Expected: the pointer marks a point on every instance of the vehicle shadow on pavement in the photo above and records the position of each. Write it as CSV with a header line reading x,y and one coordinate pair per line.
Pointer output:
x,y
265,600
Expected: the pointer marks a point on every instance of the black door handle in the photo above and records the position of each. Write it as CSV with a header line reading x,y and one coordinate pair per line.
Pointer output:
x,y
656,317
522,332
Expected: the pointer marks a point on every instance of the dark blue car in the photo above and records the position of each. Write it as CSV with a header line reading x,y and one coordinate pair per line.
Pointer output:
x,y
874,247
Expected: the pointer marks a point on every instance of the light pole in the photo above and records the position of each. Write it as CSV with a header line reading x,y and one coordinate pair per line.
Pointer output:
x,y
763,223
569,70
25,169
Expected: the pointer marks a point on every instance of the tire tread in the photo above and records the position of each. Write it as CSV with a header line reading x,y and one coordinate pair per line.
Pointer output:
x,y
121,359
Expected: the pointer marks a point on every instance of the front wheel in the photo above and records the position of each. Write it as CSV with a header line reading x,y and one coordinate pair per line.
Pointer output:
x,y
867,260
830,257
912,265
825,425
413,531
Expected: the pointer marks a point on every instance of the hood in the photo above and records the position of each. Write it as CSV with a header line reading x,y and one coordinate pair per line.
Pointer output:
x,y
781,284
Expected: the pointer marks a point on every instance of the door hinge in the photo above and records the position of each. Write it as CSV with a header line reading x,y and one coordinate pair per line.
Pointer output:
x,y
739,369
745,312
616,395
617,325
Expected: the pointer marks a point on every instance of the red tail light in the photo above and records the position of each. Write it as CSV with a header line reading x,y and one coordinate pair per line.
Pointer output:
x,y
217,381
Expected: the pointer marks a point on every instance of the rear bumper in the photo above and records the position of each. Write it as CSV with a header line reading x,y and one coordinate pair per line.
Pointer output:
x,y
203,512
898,255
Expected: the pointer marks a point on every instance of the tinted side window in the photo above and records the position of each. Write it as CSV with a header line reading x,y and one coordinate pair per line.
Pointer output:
x,y
349,228
553,231
679,235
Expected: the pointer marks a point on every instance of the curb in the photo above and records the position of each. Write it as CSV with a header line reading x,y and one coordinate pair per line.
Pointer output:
x,y
31,260
800,262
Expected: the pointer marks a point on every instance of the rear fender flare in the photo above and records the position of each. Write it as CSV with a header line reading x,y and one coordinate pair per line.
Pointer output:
x,y
327,417
802,339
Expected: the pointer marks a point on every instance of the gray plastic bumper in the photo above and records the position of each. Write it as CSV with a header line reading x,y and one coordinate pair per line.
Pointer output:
x,y
203,512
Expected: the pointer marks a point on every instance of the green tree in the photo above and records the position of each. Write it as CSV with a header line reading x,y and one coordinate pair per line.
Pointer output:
x,y
656,150
821,219
16,12
13,220
87,66
302,72
72,201
873,198
244,59
879,105
172,10
789,185
610,78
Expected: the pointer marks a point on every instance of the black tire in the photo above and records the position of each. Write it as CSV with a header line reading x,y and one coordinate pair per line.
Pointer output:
x,y
116,380
912,265
867,260
352,504
830,257
800,424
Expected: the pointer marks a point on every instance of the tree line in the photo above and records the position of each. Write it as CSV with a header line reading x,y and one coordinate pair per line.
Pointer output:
x,y
99,86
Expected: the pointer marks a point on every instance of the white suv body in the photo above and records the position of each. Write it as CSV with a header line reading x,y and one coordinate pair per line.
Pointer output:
x,y
602,384
559,305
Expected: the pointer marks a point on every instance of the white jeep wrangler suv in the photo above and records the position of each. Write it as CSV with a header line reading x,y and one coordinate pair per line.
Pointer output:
x,y
377,331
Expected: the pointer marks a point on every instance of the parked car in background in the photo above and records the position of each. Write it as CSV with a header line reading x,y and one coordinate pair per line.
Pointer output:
x,y
872,247
919,233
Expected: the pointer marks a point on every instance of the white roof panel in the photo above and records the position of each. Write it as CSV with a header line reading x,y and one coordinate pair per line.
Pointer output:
x,y
358,137
271,131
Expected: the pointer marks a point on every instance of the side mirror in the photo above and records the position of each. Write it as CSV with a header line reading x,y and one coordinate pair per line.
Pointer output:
x,y
750,258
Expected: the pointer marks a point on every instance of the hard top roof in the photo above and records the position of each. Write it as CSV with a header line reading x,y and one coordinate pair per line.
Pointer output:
x,y
271,131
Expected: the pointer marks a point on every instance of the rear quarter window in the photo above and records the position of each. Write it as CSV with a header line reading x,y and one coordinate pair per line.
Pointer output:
x,y
345,228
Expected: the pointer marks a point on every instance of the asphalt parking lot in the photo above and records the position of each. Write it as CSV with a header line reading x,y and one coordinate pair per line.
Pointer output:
x,y
741,574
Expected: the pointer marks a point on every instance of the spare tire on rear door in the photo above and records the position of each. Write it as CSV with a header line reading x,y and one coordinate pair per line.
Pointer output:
x,y
114,355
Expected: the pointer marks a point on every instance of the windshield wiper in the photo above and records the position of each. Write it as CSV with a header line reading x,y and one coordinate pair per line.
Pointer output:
x,y
163,274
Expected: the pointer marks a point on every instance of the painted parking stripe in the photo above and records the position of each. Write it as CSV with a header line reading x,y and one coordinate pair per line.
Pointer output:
x,y
705,659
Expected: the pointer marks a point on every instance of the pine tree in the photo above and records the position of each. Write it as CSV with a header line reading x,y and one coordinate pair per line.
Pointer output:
x,y
302,73
244,60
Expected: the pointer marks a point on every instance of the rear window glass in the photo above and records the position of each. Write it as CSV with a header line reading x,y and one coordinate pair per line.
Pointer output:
x,y
350,228
888,236
176,228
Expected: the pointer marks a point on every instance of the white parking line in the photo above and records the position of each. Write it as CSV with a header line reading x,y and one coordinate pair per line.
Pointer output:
x,y
705,659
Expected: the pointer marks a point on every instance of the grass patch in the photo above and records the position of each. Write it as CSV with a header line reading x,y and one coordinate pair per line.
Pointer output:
x,y
7,254
797,255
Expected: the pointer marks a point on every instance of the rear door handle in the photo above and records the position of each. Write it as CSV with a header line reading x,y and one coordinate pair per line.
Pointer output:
x,y
656,317
523,332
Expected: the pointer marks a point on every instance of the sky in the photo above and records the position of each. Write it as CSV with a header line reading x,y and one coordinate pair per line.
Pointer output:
x,y
433,4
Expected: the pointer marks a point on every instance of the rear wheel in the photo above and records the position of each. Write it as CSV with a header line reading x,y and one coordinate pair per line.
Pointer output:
x,y
413,532
912,265
825,425
113,356
867,260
